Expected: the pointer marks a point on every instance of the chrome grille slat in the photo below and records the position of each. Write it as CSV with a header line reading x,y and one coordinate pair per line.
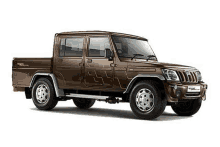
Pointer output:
x,y
180,76
196,80
193,77
184,78
188,78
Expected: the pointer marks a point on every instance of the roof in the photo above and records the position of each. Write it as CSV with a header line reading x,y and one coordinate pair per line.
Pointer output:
x,y
100,32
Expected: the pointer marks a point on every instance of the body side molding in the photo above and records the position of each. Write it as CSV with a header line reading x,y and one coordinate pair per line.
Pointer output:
x,y
161,77
59,92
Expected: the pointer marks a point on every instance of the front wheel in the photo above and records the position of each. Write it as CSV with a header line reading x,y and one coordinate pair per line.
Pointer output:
x,y
146,100
83,103
187,108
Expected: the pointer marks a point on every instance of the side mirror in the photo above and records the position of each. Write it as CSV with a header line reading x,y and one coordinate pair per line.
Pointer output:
x,y
108,54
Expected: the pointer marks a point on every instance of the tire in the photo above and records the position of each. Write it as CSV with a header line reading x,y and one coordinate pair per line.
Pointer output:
x,y
187,108
145,92
83,103
43,94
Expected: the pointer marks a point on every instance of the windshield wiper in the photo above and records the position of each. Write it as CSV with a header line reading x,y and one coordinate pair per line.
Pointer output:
x,y
149,56
136,55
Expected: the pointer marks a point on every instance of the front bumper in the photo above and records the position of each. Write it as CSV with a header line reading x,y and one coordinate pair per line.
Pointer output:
x,y
178,92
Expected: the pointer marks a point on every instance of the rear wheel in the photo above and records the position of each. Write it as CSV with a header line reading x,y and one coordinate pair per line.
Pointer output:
x,y
146,101
83,103
43,94
187,108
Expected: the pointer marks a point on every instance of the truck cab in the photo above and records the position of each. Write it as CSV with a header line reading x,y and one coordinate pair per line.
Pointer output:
x,y
89,64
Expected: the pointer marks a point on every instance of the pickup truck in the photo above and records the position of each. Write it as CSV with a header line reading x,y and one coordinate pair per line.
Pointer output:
x,y
113,67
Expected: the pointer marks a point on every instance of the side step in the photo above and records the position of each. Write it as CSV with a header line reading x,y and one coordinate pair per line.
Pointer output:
x,y
110,99
87,96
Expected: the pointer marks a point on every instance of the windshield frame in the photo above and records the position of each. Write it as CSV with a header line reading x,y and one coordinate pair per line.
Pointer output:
x,y
137,57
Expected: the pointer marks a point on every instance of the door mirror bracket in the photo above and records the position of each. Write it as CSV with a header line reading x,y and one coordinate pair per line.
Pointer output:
x,y
108,54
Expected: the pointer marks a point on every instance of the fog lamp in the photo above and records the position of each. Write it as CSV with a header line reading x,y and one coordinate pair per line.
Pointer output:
x,y
178,93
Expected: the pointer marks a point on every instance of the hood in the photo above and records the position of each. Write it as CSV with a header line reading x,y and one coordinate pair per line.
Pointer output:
x,y
155,64
171,66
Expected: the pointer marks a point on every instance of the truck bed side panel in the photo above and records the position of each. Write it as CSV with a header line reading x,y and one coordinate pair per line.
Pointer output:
x,y
23,69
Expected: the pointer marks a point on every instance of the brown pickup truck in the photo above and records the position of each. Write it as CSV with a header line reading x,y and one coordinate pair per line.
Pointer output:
x,y
88,65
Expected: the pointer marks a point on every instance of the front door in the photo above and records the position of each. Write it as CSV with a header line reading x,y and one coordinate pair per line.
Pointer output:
x,y
98,68
70,62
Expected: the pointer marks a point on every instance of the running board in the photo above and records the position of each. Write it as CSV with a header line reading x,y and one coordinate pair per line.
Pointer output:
x,y
87,96
107,99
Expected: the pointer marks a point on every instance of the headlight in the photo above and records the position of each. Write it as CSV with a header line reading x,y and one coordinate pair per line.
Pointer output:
x,y
170,75
198,75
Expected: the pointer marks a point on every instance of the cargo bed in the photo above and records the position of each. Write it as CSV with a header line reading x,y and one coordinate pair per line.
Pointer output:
x,y
23,70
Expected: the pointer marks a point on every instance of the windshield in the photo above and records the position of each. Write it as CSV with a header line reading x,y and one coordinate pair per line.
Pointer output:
x,y
133,48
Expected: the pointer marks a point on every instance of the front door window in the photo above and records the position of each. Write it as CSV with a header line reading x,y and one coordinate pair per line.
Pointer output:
x,y
97,46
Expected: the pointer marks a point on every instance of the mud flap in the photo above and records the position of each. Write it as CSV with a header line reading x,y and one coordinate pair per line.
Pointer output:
x,y
28,93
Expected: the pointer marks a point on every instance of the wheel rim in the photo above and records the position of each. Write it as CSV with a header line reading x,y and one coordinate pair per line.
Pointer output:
x,y
42,93
145,100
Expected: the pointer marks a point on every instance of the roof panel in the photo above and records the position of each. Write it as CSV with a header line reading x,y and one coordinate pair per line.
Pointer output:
x,y
100,32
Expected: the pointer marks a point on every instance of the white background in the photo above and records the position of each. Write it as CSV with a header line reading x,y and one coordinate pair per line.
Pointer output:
x,y
184,32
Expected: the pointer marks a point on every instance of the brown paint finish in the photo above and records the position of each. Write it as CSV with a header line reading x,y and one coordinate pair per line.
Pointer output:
x,y
98,70
99,73
69,70
25,68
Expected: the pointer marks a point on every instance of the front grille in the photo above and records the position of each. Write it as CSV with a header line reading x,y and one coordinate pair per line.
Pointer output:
x,y
187,76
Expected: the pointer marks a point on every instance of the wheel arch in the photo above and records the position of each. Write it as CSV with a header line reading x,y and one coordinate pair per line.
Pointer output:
x,y
52,78
157,79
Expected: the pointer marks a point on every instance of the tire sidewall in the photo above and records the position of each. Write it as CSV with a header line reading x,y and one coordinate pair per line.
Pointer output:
x,y
158,105
85,104
193,108
51,92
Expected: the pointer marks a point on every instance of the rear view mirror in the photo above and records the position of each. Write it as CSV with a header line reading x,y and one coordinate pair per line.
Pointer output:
x,y
108,54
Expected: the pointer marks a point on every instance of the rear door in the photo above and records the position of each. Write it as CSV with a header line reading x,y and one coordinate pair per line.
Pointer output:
x,y
69,63
98,68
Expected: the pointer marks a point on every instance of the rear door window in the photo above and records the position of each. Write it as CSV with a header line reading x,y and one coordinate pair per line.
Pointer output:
x,y
71,47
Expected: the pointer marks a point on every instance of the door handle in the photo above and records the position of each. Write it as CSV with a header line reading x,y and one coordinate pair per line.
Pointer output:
x,y
113,65
81,64
89,61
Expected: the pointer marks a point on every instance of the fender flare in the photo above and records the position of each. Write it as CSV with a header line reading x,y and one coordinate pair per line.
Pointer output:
x,y
59,92
161,77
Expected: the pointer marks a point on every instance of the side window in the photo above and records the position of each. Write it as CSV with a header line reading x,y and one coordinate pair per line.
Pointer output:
x,y
71,47
97,46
